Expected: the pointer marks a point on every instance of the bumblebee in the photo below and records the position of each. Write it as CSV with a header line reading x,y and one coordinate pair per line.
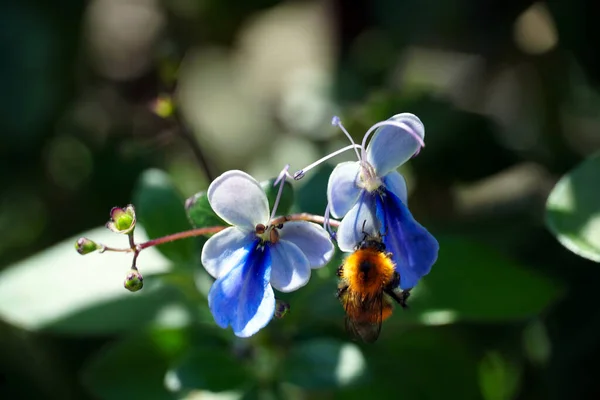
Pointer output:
x,y
368,287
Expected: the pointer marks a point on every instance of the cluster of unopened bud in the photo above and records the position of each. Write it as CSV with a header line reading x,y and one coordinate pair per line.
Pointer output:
x,y
122,220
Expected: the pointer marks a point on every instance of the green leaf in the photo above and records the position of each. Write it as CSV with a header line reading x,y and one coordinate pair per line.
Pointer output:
x,y
202,215
125,313
425,363
428,363
137,366
573,209
471,282
324,364
160,208
59,289
312,198
287,196
214,369
536,343
134,368
498,377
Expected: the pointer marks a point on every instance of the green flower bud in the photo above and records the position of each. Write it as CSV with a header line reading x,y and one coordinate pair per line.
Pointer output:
x,y
85,246
122,220
163,106
281,308
134,281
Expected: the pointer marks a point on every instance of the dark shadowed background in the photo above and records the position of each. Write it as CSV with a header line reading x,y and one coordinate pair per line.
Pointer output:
x,y
507,91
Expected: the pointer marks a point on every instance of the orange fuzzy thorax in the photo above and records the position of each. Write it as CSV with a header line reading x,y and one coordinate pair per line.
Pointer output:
x,y
367,271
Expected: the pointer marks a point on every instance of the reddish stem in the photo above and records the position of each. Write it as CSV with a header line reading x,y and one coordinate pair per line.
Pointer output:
x,y
131,241
213,229
179,235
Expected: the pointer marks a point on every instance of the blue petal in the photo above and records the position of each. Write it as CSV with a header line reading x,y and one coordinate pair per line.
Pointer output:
x,y
392,146
395,183
291,269
342,188
360,220
312,240
414,250
225,250
243,298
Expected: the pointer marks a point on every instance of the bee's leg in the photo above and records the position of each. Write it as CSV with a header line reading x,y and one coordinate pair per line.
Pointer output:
x,y
340,270
366,235
394,283
405,295
400,297
341,290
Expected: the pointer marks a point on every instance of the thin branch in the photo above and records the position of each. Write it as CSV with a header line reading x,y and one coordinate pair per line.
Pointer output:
x,y
180,235
214,229
184,131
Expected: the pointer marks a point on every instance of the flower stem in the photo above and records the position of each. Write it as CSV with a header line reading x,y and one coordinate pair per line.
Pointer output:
x,y
165,239
135,256
131,240
304,217
180,235
136,248
113,249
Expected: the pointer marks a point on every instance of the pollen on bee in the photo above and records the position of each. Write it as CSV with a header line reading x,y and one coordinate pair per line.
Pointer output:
x,y
367,271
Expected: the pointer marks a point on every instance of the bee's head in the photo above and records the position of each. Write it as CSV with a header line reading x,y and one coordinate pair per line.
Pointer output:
x,y
372,243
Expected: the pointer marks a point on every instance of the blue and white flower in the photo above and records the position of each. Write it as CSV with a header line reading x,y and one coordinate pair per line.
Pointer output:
x,y
371,197
252,257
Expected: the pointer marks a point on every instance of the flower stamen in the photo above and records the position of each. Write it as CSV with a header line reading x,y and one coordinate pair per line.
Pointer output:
x,y
267,235
300,173
336,121
273,235
368,177
260,229
327,222
281,182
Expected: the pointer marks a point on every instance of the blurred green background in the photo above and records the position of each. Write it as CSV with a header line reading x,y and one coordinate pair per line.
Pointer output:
x,y
507,91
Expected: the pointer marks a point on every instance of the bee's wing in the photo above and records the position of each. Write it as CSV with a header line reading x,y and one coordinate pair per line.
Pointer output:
x,y
364,317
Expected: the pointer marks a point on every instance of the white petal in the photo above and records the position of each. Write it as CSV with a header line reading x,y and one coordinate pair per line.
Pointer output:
x,y
238,199
395,183
342,190
351,231
392,146
290,269
225,250
311,239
